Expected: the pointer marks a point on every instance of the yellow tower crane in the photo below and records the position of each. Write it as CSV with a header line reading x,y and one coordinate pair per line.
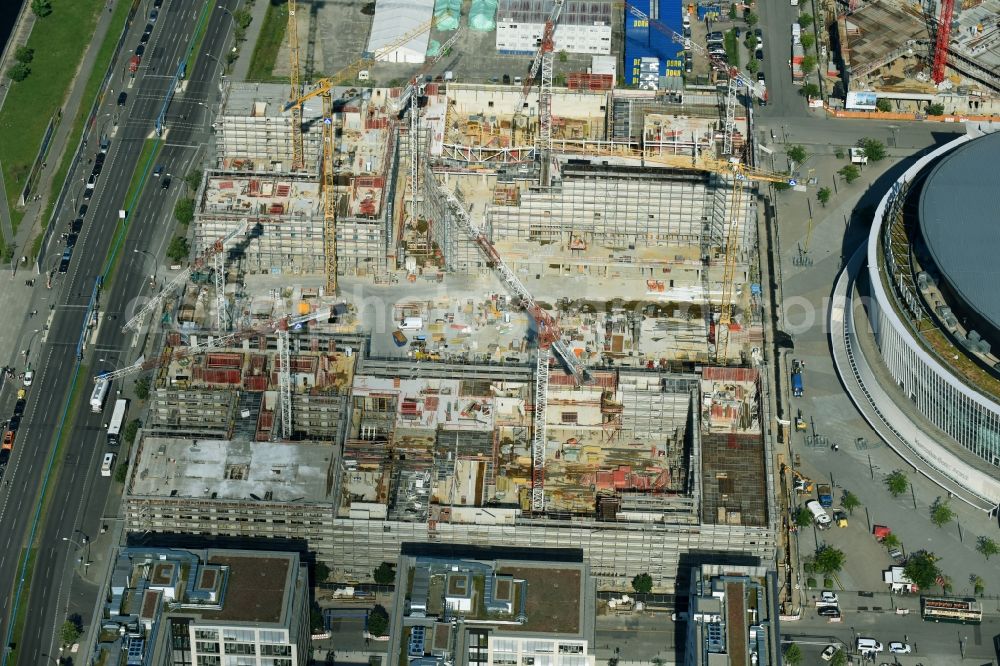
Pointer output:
x,y
298,161
328,178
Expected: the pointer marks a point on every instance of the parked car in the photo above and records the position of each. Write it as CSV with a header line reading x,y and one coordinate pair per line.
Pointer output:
x,y
97,168
99,158
29,376
19,407
759,34
900,648
828,652
157,3
831,612
759,55
91,182
83,210
140,50
87,193
71,240
76,225
145,37
760,77
153,15
826,596
715,36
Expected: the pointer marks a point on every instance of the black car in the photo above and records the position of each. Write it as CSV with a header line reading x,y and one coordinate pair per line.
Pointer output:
x,y
759,55
760,77
829,611
64,265
76,225
144,38
14,423
153,15
122,96
87,194
157,3
99,158
19,407
71,240
83,210
97,168
149,27
139,50
165,183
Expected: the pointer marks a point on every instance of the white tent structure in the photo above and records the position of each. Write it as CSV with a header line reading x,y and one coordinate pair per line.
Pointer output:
x,y
392,20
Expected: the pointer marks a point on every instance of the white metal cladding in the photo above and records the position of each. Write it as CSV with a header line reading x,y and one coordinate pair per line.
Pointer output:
x,y
967,415
394,19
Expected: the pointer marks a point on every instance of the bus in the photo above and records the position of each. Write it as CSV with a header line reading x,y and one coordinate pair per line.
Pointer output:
x,y
117,422
99,395
962,610
107,464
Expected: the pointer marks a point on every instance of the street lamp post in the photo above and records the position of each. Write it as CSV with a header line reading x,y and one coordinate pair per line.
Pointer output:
x,y
152,275
84,560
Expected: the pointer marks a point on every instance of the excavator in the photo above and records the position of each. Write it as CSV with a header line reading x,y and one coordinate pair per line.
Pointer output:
x,y
801,483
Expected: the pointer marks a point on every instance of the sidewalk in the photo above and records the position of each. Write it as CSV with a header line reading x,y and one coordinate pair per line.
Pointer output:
x,y
258,10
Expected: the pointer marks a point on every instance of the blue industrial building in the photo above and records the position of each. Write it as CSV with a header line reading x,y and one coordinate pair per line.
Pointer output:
x,y
645,41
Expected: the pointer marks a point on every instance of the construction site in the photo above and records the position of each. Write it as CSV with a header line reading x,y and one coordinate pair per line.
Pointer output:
x,y
485,315
917,53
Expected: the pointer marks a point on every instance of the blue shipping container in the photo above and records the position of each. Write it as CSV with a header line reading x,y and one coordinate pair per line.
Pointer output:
x,y
645,41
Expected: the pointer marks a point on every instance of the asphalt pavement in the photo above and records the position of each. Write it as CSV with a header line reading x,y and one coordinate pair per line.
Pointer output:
x,y
61,586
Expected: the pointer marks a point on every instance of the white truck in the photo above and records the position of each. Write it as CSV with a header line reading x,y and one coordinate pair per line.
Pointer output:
x,y
822,518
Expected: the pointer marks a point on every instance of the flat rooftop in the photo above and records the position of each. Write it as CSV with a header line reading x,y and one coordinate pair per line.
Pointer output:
x,y
257,588
553,600
734,488
239,470
977,36
266,100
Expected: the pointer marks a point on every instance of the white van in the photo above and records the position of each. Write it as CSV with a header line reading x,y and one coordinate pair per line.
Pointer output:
x,y
107,464
820,515
796,33
868,645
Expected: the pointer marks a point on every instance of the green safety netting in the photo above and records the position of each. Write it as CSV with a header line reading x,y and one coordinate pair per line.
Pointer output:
x,y
433,48
447,14
481,15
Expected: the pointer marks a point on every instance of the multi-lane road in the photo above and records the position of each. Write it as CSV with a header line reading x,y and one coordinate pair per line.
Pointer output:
x,y
78,492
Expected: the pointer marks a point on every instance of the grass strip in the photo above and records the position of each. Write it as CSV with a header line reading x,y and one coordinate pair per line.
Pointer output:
x,y
59,42
150,149
21,615
265,52
732,47
199,37
118,20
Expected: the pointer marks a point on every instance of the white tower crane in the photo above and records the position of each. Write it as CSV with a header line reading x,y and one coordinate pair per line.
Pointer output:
x,y
549,339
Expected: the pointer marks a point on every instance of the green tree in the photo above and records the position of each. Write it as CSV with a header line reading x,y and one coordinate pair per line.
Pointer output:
x,y
178,249
883,105
378,621
873,148
897,483
643,583
753,66
243,18
384,573
935,109
121,471
142,388
805,20
131,430
322,572
24,54
563,56
793,655
890,541
848,500
781,187
809,90
796,153
184,211
987,547
922,569
808,65
41,8
803,517
193,179
978,584
69,632
732,11
752,19
19,71
808,40
838,659
315,618
941,513
823,195
851,173
829,560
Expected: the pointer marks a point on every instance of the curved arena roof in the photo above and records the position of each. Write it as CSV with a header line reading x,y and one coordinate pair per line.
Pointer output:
x,y
960,222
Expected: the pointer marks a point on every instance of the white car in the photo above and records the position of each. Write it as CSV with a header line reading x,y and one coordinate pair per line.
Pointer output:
x,y
29,377
828,652
828,597
900,648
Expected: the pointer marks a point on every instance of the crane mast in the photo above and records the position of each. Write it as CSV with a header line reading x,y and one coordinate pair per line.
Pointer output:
x,y
298,160
329,196
549,338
